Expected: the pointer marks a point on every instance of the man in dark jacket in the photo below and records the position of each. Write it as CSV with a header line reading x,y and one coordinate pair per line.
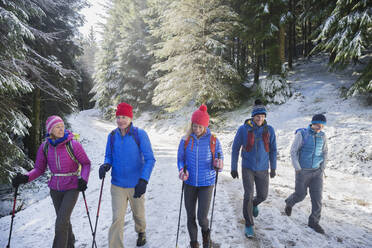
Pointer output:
x,y
309,153
258,143
129,154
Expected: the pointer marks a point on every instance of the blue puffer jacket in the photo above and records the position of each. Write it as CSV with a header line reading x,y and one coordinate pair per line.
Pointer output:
x,y
311,152
129,161
198,159
257,159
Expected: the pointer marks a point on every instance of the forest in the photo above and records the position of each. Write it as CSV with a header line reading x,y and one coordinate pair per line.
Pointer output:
x,y
162,55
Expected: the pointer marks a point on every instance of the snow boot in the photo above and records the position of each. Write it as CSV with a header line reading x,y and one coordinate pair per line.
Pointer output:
x,y
249,232
194,244
141,240
288,210
316,227
207,243
255,211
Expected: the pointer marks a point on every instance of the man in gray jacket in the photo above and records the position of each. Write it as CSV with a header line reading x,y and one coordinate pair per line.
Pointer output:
x,y
309,155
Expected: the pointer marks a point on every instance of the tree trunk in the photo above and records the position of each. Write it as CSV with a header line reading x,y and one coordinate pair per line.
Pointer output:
x,y
256,68
35,121
290,37
294,29
281,45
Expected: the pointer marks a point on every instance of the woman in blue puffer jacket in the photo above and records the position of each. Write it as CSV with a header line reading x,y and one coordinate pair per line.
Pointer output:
x,y
199,175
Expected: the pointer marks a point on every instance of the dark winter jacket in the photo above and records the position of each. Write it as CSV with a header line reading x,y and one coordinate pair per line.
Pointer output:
x,y
198,158
130,161
257,159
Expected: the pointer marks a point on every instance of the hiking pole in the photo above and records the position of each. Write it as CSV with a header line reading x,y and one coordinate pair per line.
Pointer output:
x,y
99,205
179,215
13,214
214,198
90,222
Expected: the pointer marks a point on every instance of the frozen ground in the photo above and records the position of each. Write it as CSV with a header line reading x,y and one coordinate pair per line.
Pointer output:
x,y
347,211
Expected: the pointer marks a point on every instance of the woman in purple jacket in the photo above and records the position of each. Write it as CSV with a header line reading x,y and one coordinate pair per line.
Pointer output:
x,y
70,174
198,170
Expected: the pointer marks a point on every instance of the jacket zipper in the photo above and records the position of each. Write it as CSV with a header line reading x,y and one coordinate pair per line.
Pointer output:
x,y
56,158
314,151
197,161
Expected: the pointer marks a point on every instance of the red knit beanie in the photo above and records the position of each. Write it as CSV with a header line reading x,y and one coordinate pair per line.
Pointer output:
x,y
200,116
124,109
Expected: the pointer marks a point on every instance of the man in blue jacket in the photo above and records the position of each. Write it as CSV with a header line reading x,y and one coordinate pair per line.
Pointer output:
x,y
309,154
129,154
258,143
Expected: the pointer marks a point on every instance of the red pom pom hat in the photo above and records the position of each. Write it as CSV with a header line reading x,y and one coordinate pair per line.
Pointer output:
x,y
200,116
124,109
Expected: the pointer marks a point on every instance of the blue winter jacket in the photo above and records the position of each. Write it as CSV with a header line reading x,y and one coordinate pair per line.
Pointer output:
x,y
130,161
198,159
257,159
311,152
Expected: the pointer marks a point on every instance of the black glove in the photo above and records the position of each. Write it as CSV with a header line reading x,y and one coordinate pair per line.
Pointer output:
x,y
272,173
19,179
102,170
82,184
140,188
234,174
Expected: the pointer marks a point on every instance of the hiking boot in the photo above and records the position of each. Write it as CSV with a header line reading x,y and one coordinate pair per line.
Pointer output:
x,y
194,244
249,232
206,238
255,211
288,210
316,227
141,241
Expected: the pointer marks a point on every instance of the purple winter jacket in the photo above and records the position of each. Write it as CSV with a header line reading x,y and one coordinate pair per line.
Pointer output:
x,y
59,161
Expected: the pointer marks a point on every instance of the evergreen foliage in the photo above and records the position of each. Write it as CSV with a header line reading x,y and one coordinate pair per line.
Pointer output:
x,y
37,57
124,59
191,56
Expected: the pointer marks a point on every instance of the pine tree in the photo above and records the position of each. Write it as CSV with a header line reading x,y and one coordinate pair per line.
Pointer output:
x,y
124,60
192,60
346,34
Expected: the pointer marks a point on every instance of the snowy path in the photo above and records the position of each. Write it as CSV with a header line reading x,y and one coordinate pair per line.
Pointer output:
x,y
347,211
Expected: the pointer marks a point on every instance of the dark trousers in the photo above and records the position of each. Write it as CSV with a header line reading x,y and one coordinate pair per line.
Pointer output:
x,y
64,202
203,196
251,178
312,179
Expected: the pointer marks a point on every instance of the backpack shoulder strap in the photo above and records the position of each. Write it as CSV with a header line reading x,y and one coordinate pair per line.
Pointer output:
x,y
213,142
70,152
112,140
135,136
187,141
45,150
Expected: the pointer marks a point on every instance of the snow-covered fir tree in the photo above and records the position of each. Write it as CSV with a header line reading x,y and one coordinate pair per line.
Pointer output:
x,y
190,57
347,36
124,60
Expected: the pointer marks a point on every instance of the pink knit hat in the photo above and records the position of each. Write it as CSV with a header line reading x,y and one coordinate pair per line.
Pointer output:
x,y
200,116
51,122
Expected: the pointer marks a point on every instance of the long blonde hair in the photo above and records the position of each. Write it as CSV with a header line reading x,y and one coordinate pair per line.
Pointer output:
x,y
189,131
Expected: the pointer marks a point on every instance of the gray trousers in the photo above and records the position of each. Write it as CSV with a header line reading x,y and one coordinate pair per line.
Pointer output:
x,y
312,179
261,180
64,202
203,196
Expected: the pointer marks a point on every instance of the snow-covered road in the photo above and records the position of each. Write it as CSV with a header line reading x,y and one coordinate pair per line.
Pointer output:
x,y
347,204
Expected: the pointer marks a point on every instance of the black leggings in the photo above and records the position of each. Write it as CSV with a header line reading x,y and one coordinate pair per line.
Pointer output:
x,y
203,196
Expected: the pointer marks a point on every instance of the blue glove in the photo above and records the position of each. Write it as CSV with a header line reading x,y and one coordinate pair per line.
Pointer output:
x,y
102,170
140,188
